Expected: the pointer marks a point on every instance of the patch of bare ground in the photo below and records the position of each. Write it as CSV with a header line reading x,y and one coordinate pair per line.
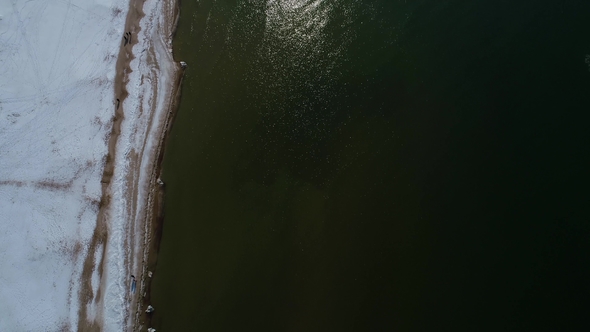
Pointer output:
x,y
100,234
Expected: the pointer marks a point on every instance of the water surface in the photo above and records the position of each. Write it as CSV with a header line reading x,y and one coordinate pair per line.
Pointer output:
x,y
342,165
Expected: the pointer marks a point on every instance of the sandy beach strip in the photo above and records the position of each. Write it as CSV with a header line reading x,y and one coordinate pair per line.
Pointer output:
x,y
147,90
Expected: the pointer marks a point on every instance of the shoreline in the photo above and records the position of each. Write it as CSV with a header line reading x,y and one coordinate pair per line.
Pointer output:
x,y
155,215
147,253
147,90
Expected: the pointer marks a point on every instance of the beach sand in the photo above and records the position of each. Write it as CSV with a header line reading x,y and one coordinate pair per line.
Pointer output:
x,y
144,201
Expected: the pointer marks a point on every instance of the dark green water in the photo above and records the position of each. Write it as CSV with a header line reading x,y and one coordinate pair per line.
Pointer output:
x,y
342,165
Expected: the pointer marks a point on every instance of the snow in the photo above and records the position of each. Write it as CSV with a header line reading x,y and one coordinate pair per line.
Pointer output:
x,y
57,102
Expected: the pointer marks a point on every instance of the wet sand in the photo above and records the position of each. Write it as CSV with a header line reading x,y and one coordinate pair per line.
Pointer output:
x,y
149,227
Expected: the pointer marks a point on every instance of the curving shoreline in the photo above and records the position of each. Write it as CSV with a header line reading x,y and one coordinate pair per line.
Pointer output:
x,y
148,86
160,100
152,222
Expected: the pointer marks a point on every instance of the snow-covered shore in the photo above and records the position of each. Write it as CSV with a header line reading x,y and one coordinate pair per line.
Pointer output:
x,y
152,84
72,229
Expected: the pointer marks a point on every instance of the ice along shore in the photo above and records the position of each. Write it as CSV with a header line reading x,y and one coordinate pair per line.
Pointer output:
x,y
87,93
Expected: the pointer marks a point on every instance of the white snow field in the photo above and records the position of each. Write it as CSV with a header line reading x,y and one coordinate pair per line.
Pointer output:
x,y
57,103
